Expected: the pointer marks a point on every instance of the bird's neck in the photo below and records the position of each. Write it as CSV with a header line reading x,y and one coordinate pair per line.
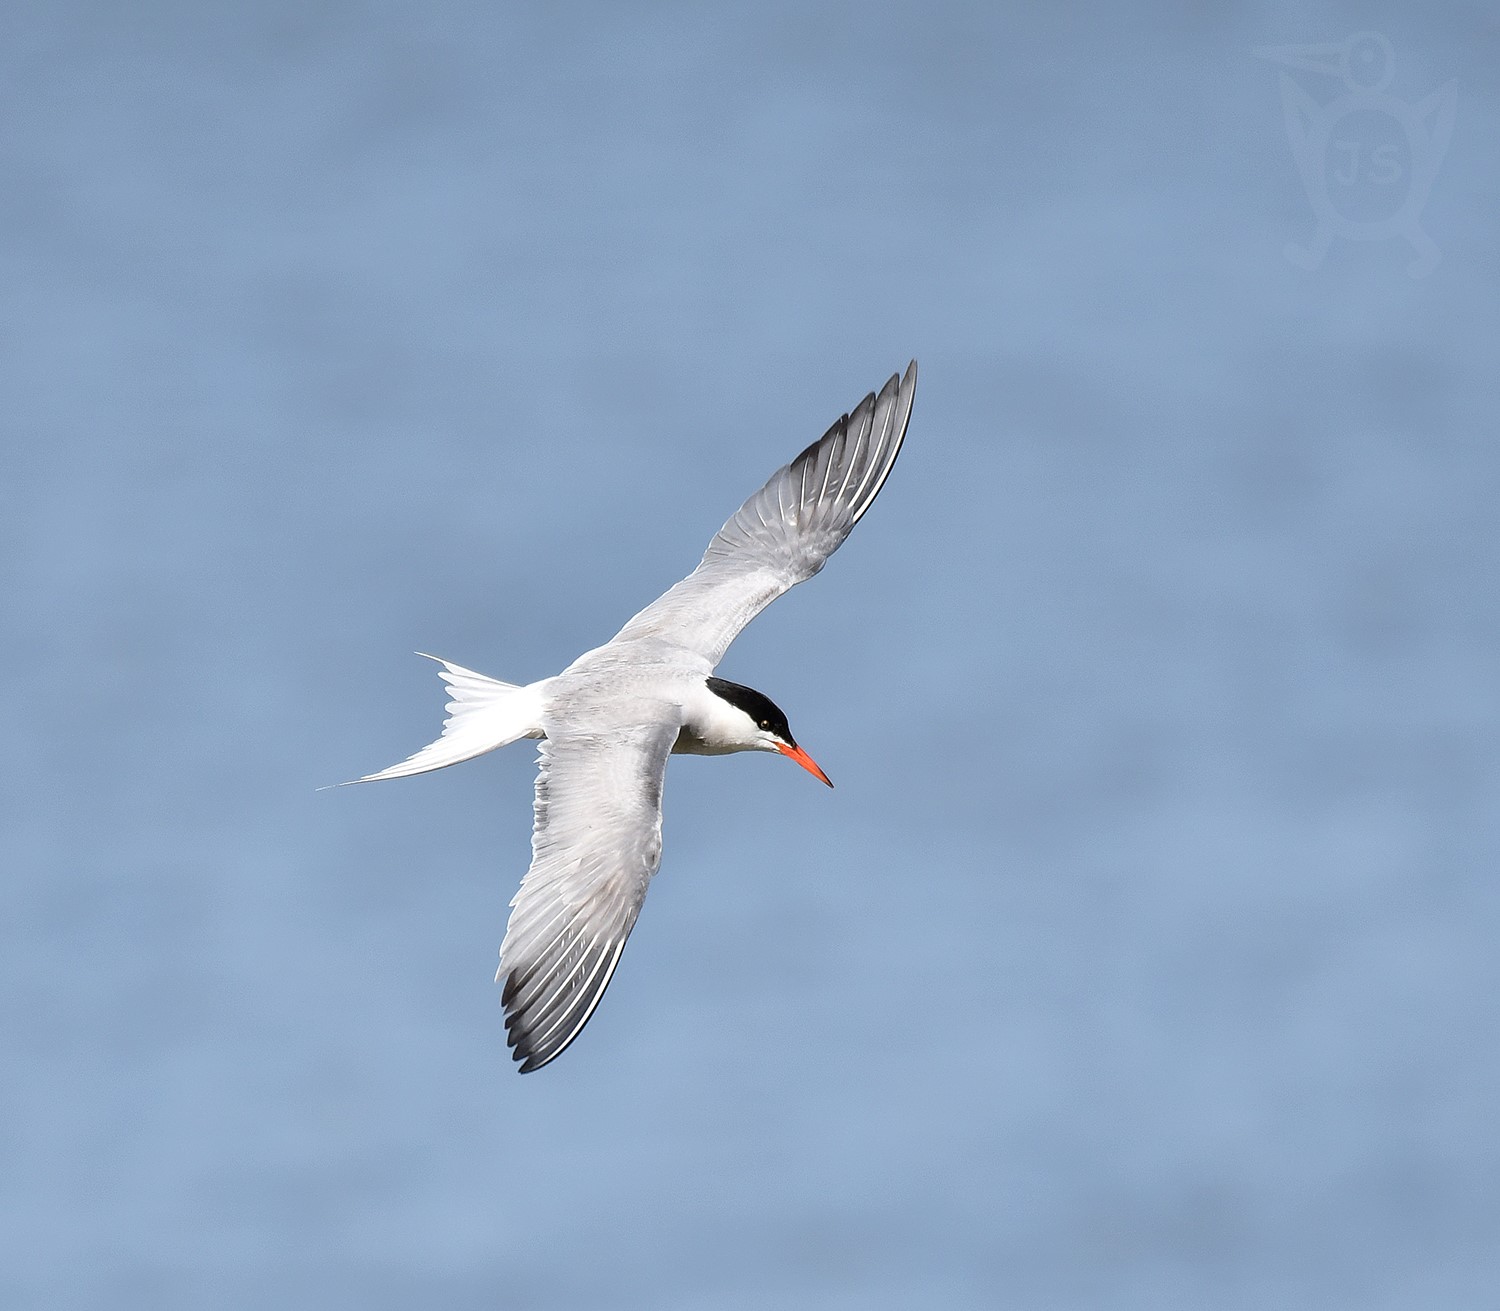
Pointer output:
x,y
712,726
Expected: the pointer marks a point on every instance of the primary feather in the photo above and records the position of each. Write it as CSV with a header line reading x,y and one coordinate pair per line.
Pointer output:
x,y
610,720
785,533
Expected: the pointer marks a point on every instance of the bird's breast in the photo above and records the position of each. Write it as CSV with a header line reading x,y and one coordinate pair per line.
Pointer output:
x,y
691,742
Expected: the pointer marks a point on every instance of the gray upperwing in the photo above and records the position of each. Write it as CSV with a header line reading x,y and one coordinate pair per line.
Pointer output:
x,y
595,847
785,533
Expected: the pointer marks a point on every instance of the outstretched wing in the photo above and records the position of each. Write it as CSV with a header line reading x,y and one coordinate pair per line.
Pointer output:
x,y
596,844
784,533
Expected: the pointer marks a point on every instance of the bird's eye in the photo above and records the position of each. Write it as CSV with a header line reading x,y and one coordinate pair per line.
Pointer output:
x,y
765,723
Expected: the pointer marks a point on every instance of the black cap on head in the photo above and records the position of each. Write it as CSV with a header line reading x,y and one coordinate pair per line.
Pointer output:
x,y
765,712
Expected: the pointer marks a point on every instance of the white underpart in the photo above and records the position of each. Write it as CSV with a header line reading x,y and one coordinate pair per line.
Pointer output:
x,y
713,727
611,719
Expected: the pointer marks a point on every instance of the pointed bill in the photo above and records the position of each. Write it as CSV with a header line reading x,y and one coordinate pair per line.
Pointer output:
x,y
806,761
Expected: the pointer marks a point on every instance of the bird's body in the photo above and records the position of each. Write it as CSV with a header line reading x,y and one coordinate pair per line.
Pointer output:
x,y
609,721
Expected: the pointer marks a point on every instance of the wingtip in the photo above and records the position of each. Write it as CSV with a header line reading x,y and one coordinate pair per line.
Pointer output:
x,y
523,1053
528,1064
901,383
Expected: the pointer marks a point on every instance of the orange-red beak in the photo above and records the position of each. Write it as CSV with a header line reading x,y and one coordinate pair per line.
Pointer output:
x,y
805,760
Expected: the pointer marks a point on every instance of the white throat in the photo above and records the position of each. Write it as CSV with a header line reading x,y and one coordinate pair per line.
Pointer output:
x,y
713,727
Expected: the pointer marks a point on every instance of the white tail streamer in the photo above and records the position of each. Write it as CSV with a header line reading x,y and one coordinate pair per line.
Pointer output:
x,y
483,715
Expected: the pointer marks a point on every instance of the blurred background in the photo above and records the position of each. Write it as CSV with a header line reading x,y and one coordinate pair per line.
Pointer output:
x,y
1145,956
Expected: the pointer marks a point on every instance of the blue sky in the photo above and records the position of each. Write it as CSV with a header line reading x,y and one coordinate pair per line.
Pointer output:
x,y
1144,955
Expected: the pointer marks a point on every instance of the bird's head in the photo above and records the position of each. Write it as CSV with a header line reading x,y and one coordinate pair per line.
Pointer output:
x,y
756,723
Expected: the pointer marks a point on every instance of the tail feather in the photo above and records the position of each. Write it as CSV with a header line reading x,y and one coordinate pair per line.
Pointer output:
x,y
483,715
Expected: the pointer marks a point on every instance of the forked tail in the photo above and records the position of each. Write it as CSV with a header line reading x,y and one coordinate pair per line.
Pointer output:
x,y
484,714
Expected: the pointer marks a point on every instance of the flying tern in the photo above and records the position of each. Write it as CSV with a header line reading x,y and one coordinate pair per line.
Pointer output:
x,y
609,721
